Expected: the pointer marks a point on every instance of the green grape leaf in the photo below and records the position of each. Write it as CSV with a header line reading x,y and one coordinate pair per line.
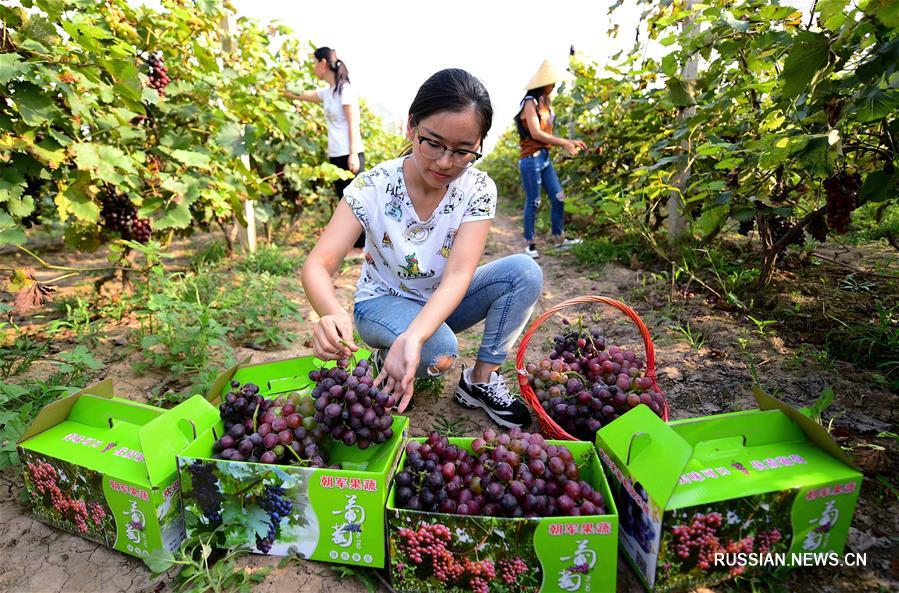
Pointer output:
x,y
10,231
875,104
11,65
806,59
34,105
174,216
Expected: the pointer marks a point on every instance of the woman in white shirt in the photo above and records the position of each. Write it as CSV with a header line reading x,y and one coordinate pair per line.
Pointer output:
x,y
342,114
425,217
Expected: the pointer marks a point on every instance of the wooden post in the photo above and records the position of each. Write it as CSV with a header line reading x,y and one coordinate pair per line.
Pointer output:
x,y
246,235
677,222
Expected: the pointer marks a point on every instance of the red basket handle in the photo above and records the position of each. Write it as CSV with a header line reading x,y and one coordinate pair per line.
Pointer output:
x,y
549,425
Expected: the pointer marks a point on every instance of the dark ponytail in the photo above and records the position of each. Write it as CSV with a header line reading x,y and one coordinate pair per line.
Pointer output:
x,y
341,74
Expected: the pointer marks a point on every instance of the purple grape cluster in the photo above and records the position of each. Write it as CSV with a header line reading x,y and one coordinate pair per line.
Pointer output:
x,y
514,474
276,431
349,407
158,74
273,502
120,216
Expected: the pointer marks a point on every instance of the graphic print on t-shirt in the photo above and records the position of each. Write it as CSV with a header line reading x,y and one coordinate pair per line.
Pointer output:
x,y
411,270
411,290
455,198
448,243
418,232
408,255
481,206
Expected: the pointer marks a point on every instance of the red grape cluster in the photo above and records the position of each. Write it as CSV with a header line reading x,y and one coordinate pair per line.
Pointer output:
x,y
698,538
159,74
699,542
349,407
97,512
120,216
429,543
515,474
259,430
765,540
842,198
583,384
44,477
510,569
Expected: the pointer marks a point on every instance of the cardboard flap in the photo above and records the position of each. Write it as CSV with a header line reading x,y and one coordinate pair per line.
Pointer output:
x,y
162,439
58,411
813,431
654,454
101,412
224,379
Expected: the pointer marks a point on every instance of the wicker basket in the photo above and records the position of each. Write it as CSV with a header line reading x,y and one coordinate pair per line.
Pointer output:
x,y
547,424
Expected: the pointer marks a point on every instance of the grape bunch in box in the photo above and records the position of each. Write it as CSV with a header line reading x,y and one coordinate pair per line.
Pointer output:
x,y
273,477
501,512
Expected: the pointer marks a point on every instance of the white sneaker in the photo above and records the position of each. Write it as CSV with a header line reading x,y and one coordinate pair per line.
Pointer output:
x,y
569,243
532,251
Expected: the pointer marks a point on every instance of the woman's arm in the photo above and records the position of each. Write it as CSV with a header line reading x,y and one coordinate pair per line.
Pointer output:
x,y
352,117
311,96
332,336
398,373
532,121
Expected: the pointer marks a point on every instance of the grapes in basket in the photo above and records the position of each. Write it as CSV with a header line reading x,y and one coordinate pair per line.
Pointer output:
x,y
514,474
583,383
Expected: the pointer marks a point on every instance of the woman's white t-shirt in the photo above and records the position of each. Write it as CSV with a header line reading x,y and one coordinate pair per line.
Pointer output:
x,y
338,126
405,256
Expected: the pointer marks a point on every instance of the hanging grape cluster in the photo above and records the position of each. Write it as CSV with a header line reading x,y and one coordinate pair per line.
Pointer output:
x,y
842,198
159,74
120,216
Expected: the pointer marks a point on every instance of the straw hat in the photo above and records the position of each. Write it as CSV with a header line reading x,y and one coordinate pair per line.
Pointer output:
x,y
545,74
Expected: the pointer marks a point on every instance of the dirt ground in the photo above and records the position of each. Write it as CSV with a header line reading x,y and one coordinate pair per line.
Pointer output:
x,y
712,378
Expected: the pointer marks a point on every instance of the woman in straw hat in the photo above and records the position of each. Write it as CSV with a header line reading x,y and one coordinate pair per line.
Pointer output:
x,y
535,131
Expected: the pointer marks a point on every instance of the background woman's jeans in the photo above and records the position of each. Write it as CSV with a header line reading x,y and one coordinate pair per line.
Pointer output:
x,y
502,292
537,171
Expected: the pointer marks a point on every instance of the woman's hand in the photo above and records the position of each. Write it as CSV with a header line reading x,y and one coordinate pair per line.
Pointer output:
x,y
398,373
574,146
332,337
353,163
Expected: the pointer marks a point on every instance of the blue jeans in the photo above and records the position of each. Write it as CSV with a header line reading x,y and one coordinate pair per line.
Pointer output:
x,y
502,292
537,170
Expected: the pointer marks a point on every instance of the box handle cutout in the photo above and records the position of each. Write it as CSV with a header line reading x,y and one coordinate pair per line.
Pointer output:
x,y
639,442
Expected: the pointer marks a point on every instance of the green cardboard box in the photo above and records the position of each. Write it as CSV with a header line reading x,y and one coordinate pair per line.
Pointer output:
x,y
706,499
332,515
105,467
566,554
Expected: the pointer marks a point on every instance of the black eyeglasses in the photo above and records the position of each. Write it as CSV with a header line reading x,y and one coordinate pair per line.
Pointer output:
x,y
432,149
